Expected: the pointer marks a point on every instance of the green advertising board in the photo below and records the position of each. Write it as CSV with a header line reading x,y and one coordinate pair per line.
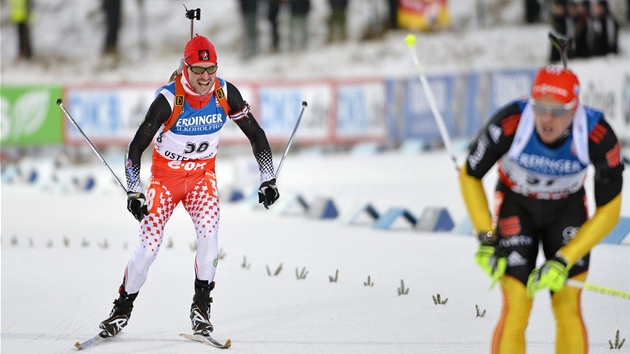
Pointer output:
x,y
30,115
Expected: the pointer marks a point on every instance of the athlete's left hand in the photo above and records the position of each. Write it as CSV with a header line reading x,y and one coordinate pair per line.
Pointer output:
x,y
268,193
553,274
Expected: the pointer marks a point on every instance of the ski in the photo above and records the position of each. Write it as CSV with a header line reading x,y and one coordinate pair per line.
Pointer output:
x,y
90,342
207,340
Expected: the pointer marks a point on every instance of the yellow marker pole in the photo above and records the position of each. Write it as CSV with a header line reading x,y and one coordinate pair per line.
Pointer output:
x,y
410,40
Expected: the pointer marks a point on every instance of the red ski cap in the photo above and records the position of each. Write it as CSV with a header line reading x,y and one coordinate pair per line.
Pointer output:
x,y
199,49
560,83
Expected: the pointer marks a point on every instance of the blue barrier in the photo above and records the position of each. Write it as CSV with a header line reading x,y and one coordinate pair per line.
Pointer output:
x,y
385,221
236,195
619,232
291,204
357,211
435,219
322,208
464,227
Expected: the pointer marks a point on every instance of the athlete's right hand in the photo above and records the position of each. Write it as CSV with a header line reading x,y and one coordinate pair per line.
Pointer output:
x,y
491,259
137,205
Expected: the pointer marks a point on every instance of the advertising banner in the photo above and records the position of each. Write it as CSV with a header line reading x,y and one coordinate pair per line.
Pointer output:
x,y
107,114
423,15
508,85
280,107
474,114
360,109
30,115
418,120
605,86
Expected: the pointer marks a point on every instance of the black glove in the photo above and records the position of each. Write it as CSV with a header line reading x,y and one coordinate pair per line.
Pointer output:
x,y
137,205
268,193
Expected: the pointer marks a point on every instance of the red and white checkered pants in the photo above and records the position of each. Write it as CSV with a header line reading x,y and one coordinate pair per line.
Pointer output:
x,y
198,193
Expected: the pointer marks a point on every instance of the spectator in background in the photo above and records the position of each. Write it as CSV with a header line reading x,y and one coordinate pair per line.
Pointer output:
x,y
299,24
604,30
532,11
393,14
560,23
337,20
249,11
20,15
580,14
113,14
272,16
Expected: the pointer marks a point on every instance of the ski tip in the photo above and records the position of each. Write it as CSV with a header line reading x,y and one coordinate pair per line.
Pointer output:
x,y
78,345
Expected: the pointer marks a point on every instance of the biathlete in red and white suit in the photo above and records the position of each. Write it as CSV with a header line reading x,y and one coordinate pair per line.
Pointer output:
x,y
186,118
543,146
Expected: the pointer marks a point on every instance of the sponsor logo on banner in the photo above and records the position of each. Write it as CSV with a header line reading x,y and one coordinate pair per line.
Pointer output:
x,y
508,85
105,114
423,15
30,116
419,120
360,110
279,108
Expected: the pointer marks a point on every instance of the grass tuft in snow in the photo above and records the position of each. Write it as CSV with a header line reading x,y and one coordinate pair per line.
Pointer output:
x,y
479,312
245,265
437,299
276,272
617,344
301,275
333,279
368,282
104,245
402,290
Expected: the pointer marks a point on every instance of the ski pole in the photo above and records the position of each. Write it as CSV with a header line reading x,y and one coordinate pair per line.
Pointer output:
x,y
596,288
286,150
90,143
410,40
562,44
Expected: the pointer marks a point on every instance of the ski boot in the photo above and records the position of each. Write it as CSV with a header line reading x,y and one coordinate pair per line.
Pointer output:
x,y
118,318
200,308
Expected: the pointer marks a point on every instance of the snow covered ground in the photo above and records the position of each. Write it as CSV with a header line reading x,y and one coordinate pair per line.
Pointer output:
x,y
54,293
